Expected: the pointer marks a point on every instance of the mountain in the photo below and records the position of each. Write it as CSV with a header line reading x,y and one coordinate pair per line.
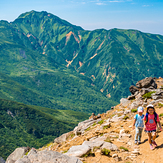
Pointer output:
x,y
111,59
37,79
33,126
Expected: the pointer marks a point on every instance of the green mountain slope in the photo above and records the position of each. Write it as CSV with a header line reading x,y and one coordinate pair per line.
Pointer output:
x,y
23,125
113,59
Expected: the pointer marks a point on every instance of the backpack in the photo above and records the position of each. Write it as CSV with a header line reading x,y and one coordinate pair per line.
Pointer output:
x,y
155,118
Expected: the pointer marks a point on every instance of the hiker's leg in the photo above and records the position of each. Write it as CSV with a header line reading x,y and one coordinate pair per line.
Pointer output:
x,y
136,134
154,136
149,138
140,134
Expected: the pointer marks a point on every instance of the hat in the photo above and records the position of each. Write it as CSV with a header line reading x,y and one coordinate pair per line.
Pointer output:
x,y
150,106
140,109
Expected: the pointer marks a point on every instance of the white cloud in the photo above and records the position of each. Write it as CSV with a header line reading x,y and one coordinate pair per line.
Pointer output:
x,y
116,1
146,5
100,3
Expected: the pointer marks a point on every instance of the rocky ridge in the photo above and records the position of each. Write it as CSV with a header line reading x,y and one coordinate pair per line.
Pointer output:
x,y
107,137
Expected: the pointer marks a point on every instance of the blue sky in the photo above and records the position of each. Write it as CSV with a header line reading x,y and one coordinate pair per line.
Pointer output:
x,y
143,15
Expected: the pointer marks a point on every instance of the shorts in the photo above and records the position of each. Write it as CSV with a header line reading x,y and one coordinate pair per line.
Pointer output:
x,y
152,131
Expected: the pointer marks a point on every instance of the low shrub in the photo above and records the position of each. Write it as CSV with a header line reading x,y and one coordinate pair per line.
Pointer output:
x,y
133,110
101,122
126,117
124,148
105,152
160,105
108,140
94,124
161,115
105,127
148,95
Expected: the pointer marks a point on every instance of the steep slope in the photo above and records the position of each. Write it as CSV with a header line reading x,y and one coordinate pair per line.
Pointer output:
x,y
111,58
110,136
23,125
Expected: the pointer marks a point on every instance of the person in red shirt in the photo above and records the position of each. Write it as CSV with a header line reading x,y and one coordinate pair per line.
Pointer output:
x,y
151,119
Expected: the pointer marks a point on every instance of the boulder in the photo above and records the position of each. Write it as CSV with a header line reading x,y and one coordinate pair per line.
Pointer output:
x,y
47,157
108,125
110,146
93,143
2,160
131,97
146,83
79,150
17,154
82,126
122,134
133,89
62,138
124,102
143,91
116,118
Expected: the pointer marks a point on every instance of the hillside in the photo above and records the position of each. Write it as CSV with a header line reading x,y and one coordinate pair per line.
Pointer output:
x,y
108,137
39,45
33,126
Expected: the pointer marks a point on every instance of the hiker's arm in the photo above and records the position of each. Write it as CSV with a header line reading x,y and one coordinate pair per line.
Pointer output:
x,y
134,124
160,125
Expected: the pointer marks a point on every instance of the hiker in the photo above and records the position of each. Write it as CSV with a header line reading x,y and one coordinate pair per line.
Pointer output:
x,y
138,124
151,119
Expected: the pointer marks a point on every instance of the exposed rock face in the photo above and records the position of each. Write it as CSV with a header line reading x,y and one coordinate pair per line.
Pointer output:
x,y
82,126
47,157
17,154
2,160
62,138
124,102
79,150
110,146
146,83
133,89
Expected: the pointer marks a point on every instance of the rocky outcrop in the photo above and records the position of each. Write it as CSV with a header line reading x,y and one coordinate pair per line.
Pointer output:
x,y
17,154
62,138
146,83
82,126
2,160
78,151
133,89
47,157
109,146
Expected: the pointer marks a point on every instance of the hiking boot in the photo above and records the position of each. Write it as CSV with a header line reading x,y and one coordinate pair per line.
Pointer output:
x,y
136,142
151,147
139,142
154,143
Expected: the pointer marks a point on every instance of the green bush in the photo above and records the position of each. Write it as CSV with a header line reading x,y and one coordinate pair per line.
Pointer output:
x,y
133,110
101,122
148,95
108,140
121,147
160,105
126,117
161,115
105,152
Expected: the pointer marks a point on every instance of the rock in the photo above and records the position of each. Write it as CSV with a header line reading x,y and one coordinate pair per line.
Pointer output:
x,y
115,155
135,152
123,134
146,83
110,146
127,112
124,102
105,125
78,151
133,89
116,118
2,160
93,144
82,126
62,138
47,157
131,97
143,91
17,154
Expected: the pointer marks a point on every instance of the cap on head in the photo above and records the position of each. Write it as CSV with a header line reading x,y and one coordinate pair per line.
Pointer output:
x,y
150,106
140,109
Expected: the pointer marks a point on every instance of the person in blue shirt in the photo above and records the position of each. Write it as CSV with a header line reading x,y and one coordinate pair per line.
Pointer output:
x,y
138,124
